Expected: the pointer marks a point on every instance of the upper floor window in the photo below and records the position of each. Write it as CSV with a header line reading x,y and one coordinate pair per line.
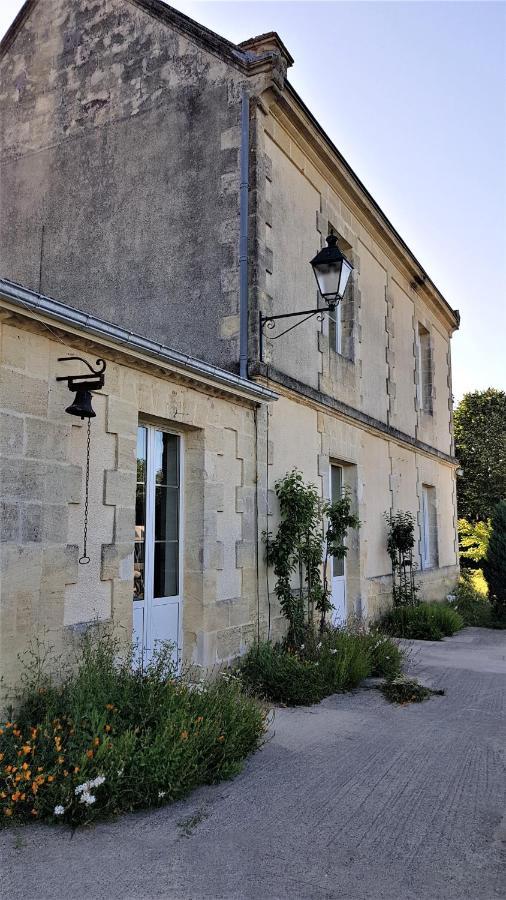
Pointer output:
x,y
424,369
341,320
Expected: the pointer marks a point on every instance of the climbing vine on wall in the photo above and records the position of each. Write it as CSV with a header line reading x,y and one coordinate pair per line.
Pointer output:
x,y
400,543
309,534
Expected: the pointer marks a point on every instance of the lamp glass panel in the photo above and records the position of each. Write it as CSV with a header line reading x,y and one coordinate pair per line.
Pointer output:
x,y
327,277
345,274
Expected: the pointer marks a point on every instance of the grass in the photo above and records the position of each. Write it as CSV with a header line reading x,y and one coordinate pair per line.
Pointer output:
x,y
106,738
337,661
407,690
426,621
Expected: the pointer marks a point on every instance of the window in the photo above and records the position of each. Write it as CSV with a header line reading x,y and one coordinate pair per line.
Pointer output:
x,y
424,369
341,320
335,330
429,538
157,538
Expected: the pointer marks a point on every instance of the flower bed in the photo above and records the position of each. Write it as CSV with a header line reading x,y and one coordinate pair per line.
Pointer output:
x,y
107,738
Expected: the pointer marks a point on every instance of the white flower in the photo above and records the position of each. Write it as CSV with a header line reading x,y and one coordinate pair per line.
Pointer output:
x,y
59,810
161,794
120,772
97,781
318,645
302,646
87,798
333,651
85,787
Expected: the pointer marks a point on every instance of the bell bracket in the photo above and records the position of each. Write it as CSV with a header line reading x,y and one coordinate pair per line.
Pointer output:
x,y
85,382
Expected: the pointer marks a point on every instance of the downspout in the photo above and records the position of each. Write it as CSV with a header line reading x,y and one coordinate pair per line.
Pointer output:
x,y
243,239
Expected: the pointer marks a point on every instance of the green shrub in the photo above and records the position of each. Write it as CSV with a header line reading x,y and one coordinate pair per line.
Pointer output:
x,y
474,608
109,738
386,656
426,622
338,660
494,565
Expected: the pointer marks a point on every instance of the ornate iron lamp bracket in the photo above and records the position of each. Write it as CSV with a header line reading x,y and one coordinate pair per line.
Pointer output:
x,y
270,321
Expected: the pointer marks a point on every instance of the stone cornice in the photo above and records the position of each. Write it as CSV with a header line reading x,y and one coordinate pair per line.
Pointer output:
x,y
290,387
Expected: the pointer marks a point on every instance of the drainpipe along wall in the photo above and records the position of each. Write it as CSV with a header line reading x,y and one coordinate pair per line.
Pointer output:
x,y
243,240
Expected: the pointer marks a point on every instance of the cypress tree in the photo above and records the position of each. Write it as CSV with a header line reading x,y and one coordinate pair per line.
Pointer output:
x,y
494,567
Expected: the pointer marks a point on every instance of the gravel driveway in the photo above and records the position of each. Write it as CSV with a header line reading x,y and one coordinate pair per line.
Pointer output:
x,y
352,799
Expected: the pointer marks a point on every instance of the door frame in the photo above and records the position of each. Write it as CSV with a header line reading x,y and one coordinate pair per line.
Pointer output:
x,y
336,465
149,542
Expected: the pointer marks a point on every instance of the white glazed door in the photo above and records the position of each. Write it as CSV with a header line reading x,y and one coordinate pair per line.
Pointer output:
x,y
338,594
157,598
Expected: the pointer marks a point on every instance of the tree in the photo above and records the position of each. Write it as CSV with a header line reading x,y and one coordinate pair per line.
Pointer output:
x,y
494,566
480,444
473,540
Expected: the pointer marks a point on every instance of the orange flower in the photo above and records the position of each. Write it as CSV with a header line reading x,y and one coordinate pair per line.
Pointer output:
x,y
1,731
35,788
26,749
65,773
50,777
77,769
7,812
1,757
221,737
96,742
34,812
61,759
16,732
199,719
184,735
109,705
22,796
25,766
16,796
39,768
107,728
3,795
8,724
17,778
89,754
28,775
34,732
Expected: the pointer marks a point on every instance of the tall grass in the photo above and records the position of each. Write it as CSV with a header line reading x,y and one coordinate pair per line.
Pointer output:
x,y
106,737
426,622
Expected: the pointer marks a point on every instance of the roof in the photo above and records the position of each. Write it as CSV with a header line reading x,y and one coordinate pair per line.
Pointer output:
x,y
268,46
92,328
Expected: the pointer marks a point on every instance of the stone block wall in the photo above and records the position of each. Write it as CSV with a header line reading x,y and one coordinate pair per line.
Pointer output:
x,y
43,590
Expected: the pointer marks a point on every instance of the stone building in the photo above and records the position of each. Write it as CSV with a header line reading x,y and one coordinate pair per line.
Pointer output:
x,y
166,188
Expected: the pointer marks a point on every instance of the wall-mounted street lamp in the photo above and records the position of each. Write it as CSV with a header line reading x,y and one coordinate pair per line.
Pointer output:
x,y
332,272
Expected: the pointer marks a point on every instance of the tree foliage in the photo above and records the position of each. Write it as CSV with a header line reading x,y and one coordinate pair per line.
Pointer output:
x,y
480,439
494,566
400,543
473,541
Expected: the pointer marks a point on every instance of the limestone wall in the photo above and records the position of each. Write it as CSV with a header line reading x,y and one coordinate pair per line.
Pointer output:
x,y
44,592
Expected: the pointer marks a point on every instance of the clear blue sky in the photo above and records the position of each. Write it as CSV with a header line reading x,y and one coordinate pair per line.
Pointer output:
x,y
414,96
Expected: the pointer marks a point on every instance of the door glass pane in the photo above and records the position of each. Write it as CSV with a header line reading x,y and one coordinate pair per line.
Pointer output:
x,y
166,513
166,578
140,514
166,458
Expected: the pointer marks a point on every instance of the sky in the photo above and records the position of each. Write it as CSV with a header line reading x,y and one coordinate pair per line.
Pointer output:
x,y
414,96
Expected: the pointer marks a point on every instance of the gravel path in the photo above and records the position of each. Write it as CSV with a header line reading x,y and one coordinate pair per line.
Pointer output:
x,y
353,799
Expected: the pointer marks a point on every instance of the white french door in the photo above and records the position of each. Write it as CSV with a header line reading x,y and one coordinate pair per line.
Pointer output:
x,y
157,600
338,591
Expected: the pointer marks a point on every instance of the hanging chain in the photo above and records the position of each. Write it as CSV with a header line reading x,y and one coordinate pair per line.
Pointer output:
x,y
84,559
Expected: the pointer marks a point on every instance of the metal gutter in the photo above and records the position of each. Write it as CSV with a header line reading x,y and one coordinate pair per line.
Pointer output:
x,y
243,240
27,299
